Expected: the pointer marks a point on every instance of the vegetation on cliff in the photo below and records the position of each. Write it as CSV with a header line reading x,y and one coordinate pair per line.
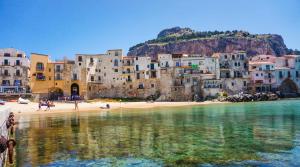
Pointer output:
x,y
206,42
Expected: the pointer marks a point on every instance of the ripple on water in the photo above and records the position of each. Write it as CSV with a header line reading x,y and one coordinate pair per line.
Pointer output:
x,y
107,162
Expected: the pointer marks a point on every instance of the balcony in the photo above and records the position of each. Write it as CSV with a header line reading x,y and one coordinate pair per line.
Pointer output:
x,y
5,75
40,78
74,79
58,70
5,64
18,64
58,78
40,69
18,75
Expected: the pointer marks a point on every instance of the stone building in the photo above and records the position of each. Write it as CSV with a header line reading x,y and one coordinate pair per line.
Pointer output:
x,y
14,71
287,74
54,79
188,77
233,72
114,75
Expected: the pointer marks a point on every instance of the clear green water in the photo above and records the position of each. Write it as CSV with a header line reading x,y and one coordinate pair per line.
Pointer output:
x,y
245,134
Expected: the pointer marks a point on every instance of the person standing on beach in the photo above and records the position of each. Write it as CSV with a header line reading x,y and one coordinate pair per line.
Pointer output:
x,y
76,104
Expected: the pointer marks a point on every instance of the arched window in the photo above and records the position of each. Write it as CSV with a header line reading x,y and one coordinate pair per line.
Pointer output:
x,y
39,66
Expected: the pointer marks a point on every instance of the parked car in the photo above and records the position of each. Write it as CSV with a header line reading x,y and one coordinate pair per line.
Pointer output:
x,y
2,102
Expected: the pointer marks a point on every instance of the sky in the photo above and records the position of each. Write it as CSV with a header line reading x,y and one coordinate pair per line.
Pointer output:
x,y
66,27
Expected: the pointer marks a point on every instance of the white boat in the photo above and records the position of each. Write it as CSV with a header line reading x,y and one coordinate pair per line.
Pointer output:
x,y
23,101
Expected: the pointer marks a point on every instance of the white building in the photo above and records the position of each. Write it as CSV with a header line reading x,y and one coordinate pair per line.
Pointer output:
x,y
14,70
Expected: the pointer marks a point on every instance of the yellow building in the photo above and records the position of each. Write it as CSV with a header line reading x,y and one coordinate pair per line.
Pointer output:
x,y
54,79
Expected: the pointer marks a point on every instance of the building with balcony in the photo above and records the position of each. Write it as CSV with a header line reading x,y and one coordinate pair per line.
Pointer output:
x,y
233,71
114,75
54,79
183,76
14,71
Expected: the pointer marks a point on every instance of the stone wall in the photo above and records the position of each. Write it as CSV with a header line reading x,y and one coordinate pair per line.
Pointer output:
x,y
4,113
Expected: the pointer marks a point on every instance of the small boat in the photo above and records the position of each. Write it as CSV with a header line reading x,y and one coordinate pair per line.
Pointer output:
x,y
23,101
105,106
2,102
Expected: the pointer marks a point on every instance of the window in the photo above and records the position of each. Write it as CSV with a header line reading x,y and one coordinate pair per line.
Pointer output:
x,y
116,53
130,86
18,62
297,74
167,64
141,86
190,64
18,73
99,78
39,66
116,70
232,84
225,56
74,76
116,62
152,85
6,73
92,78
57,68
137,67
91,60
80,58
138,76
245,83
6,54
257,74
289,74
233,57
280,74
49,78
19,55
49,69
58,77
6,62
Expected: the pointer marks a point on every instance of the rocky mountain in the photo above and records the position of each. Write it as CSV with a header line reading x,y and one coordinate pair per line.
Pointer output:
x,y
185,40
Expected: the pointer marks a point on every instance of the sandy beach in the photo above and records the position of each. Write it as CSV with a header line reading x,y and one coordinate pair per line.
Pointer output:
x,y
32,107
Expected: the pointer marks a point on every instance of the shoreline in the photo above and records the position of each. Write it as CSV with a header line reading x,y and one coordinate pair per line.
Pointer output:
x,y
32,107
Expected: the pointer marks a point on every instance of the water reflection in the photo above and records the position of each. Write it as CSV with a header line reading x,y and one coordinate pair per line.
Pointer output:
x,y
221,134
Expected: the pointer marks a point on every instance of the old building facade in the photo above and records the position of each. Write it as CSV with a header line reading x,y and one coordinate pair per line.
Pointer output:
x,y
54,79
233,72
14,70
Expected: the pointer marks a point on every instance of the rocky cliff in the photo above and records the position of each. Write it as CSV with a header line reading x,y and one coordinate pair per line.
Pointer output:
x,y
185,40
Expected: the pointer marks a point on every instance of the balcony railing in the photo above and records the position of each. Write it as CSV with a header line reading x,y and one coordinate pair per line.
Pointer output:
x,y
6,64
18,75
40,69
5,75
41,78
58,70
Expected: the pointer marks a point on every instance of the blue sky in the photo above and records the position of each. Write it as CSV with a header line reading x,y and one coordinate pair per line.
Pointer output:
x,y
66,27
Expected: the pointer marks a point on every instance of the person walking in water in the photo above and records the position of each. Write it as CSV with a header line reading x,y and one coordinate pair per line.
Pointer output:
x,y
76,104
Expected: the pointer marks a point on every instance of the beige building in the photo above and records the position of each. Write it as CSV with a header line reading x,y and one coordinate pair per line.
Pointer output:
x,y
54,79
114,75
188,77
14,71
